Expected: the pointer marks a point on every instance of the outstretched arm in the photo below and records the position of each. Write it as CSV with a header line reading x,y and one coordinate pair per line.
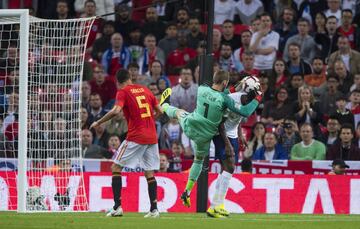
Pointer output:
x,y
243,110
112,113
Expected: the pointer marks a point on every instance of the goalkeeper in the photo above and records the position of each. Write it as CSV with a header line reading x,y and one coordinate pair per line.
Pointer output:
x,y
229,133
202,124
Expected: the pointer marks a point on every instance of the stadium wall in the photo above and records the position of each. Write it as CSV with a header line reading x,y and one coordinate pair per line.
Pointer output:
x,y
306,194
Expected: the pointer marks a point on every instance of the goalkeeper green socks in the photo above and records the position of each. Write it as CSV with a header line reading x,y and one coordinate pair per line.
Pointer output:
x,y
194,174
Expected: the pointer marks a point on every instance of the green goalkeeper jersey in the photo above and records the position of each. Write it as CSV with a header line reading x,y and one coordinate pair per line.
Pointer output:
x,y
203,123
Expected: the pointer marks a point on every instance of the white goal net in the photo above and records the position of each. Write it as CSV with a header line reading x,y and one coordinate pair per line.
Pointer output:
x,y
40,113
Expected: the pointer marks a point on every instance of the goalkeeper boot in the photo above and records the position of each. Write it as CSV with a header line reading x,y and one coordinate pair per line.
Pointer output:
x,y
153,214
115,213
212,213
165,96
221,210
185,199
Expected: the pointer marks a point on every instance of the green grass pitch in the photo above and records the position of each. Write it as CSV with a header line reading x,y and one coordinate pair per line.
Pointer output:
x,y
10,220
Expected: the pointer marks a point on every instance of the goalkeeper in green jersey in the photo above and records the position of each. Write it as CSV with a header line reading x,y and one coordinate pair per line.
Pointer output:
x,y
202,124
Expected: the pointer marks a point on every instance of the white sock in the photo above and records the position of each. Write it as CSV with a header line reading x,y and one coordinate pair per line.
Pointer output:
x,y
224,186
215,201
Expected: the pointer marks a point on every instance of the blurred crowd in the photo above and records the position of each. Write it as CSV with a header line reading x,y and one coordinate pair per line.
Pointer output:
x,y
305,53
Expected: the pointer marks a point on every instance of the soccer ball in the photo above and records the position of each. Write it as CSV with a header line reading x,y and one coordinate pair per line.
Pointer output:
x,y
250,83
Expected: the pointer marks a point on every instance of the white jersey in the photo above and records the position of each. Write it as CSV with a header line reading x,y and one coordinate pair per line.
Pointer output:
x,y
233,120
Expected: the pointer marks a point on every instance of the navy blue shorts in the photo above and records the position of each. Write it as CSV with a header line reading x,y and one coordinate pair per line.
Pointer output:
x,y
220,147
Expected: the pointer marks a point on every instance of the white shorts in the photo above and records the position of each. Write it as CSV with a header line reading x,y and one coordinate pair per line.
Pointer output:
x,y
131,155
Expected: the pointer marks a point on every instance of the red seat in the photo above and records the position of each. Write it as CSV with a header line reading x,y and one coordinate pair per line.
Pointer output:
x,y
203,27
239,28
174,80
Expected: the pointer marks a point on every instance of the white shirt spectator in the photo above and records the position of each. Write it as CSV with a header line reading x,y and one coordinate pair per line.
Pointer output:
x,y
102,7
265,62
224,10
337,14
247,12
349,4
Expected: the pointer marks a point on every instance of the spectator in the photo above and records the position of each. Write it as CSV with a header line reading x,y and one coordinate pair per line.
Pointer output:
x,y
350,57
248,60
84,118
182,19
271,150
113,145
348,29
123,21
62,10
248,10
280,74
342,114
264,44
88,149
139,14
289,134
197,8
354,105
116,57
245,45
309,9
101,136
85,94
135,43
286,27
170,132
195,36
228,35
118,126
60,138
227,60
12,109
356,85
334,9
246,166
176,154
318,76
216,43
331,135
102,85
306,42
345,79
308,148
184,95
277,109
256,139
178,58
103,43
224,10
150,54
102,7
296,64
96,110
154,90
136,77
328,97
320,23
169,43
344,149
255,25
164,164
90,11
153,25
327,42
338,167
268,93
195,62
307,110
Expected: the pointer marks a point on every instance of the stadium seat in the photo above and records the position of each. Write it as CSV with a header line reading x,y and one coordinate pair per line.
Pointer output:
x,y
174,80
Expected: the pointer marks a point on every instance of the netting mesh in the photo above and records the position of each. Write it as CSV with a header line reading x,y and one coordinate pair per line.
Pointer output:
x,y
55,64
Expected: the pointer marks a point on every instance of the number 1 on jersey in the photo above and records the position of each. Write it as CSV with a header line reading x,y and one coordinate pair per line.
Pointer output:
x,y
206,105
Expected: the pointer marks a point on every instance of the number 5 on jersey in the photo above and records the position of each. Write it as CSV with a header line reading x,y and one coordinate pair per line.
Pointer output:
x,y
143,105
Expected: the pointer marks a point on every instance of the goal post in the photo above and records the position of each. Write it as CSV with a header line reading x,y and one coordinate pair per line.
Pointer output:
x,y
41,65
